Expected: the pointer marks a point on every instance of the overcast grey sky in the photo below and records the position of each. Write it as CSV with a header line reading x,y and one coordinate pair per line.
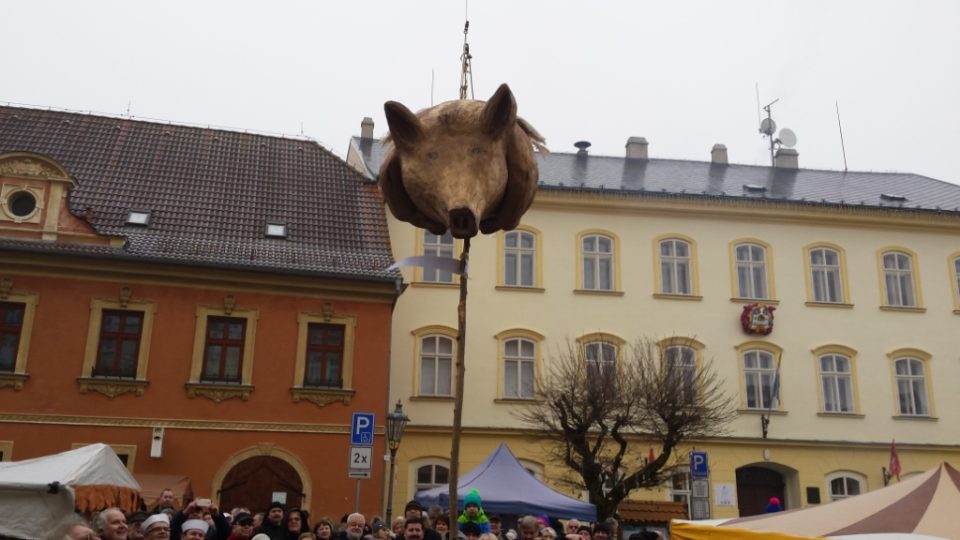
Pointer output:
x,y
680,73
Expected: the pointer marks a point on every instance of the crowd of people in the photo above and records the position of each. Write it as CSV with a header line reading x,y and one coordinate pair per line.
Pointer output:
x,y
202,519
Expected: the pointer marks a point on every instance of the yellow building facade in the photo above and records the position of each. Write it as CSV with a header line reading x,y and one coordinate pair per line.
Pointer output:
x,y
865,282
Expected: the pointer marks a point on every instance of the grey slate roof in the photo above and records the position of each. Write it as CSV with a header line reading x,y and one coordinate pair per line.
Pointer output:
x,y
566,171
210,193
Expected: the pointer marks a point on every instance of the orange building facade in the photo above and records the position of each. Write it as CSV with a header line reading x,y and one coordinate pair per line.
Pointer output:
x,y
211,304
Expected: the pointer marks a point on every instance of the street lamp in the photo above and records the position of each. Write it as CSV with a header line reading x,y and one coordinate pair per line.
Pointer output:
x,y
396,423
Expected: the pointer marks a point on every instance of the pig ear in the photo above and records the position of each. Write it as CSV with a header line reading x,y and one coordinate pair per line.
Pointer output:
x,y
500,112
405,128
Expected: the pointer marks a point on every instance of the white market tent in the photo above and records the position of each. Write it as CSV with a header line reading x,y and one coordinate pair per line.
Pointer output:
x,y
36,494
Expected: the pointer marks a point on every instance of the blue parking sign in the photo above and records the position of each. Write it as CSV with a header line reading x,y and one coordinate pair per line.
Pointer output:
x,y
361,429
698,465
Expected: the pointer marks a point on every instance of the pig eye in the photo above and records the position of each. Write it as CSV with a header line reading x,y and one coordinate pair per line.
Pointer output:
x,y
476,150
432,155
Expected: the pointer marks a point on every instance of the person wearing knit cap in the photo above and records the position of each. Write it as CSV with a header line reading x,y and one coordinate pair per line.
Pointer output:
x,y
473,512
194,529
774,505
156,527
272,525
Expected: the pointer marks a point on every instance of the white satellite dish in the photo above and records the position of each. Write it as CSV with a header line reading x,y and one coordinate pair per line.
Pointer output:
x,y
768,126
788,138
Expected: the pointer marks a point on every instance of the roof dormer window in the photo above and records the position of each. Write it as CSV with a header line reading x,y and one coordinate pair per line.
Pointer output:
x,y
276,230
889,197
754,188
138,217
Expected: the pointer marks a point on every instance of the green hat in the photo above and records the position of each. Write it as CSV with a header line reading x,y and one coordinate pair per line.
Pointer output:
x,y
472,498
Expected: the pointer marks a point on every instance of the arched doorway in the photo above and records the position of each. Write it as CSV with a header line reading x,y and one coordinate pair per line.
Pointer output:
x,y
253,483
755,486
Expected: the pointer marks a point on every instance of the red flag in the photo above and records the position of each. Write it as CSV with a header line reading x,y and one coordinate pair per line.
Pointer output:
x,y
894,460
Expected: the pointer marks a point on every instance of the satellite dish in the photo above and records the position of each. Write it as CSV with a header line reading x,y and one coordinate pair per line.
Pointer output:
x,y
788,138
768,126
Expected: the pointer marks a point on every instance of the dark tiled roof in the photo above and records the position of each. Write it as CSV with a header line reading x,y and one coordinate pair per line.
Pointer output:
x,y
210,193
566,172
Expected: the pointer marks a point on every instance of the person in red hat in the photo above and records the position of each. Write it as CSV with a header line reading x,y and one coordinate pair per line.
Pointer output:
x,y
774,505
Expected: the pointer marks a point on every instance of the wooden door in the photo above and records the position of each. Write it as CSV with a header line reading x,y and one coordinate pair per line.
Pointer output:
x,y
755,486
253,482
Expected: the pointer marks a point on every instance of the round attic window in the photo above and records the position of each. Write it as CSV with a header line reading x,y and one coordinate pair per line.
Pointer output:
x,y
22,203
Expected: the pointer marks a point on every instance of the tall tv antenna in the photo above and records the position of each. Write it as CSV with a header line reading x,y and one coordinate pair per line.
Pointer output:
x,y
466,71
768,127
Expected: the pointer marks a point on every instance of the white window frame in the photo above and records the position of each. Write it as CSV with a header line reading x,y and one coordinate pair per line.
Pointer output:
x,y
761,375
519,254
437,357
750,267
419,463
913,382
438,246
594,260
824,274
846,477
515,364
671,282
596,362
898,281
831,381
687,358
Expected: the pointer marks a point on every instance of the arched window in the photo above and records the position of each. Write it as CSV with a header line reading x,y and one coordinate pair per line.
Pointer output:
x,y
430,476
826,275
519,259
898,279
680,366
598,262
751,261
911,387
836,380
675,267
600,360
519,368
436,365
761,380
438,246
845,484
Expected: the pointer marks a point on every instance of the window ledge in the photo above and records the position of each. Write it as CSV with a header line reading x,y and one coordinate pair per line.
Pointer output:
x,y
775,412
13,380
830,305
666,296
219,391
431,398
840,415
770,301
321,396
112,387
518,401
905,309
915,417
597,292
435,285
520,289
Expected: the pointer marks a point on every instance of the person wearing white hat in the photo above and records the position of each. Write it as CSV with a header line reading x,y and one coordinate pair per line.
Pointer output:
x,y
156,527
194,529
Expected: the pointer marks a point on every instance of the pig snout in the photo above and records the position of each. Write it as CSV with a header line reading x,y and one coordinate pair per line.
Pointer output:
x,y
463,223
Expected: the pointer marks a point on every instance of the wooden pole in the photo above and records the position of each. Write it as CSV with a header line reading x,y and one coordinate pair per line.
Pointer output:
x,y
461,369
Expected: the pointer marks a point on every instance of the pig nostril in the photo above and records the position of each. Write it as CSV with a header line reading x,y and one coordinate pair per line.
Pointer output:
x,y
462,219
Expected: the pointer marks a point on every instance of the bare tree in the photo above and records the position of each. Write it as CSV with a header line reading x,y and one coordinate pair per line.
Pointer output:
x,y
600,418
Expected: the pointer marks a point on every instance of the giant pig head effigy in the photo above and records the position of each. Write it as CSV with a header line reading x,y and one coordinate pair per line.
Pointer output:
x,y
461,165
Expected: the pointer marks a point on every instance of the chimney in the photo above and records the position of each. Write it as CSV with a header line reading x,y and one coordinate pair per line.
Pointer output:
x,y
718,155
582,148
366,128
786,158
636,148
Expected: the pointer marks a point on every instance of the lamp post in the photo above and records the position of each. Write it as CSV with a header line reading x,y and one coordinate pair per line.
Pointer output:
x,y
396,423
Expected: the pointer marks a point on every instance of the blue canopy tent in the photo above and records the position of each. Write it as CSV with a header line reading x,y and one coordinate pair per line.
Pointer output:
x,y
506,487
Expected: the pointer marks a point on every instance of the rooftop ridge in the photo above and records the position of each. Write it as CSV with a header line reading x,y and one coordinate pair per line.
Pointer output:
x,y
751,165
159,121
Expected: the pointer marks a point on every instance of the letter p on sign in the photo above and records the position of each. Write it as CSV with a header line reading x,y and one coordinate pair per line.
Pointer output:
x,y
361,429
